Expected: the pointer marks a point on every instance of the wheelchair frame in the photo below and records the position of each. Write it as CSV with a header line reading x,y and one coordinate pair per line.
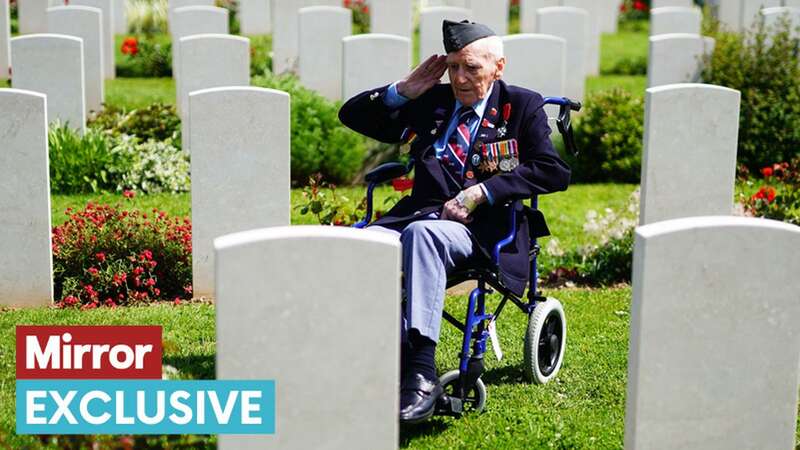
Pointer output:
x,y
474,328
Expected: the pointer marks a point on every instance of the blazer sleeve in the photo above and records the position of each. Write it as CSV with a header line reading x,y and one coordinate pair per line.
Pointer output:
x,y
541,170
366,113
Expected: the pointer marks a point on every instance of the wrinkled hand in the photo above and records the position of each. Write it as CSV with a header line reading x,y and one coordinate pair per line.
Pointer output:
x,y
424,77
459,208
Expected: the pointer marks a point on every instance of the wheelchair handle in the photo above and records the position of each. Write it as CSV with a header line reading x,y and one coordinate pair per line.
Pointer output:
x,y
564,122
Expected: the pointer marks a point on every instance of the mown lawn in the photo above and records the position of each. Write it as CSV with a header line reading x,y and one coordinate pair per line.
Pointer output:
x,y
582,408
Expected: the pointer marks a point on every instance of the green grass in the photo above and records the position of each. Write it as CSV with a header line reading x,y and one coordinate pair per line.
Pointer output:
x,y
582,408
130,93
620,46
189,345
635,84
565,211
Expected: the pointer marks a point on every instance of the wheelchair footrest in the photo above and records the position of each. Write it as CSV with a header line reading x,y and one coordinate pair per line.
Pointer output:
x,y
449,406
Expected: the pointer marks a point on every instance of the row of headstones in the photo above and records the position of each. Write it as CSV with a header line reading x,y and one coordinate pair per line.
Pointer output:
x,y
691,350
32,14
677,57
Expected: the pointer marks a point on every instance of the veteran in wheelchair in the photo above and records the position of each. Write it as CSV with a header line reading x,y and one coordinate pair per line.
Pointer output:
x,y
478,147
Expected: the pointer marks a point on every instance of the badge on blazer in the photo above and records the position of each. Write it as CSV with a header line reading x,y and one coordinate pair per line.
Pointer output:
x,y
503,155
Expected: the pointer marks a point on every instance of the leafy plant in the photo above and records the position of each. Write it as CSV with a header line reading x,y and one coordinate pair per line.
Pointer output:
x,y
145,57
320,143
331,208
155,166
633,65
360,10
146,17
260,54
106,256
764,65
778,196
609,137
14,16
82,163
157,121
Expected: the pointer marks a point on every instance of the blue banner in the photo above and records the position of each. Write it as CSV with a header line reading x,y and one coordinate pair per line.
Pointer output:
x,y
145,407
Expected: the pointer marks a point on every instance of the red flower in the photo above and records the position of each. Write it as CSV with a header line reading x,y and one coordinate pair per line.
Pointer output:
x,y
402,184
100,256
770,194
93,271
767,172
128,194
130,46
639,5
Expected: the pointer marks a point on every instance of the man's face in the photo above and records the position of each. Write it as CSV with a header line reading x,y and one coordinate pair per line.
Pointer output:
x,y
472,71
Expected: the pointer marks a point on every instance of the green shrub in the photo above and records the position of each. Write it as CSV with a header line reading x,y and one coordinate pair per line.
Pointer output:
x,y
157,121
611,263
632,65
260,54
82,163
14,17
103,255
144,57
778,195
608,134
154,166
764,65
320,143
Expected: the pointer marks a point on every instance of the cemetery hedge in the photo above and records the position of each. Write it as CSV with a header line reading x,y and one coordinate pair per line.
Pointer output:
x,y
320,143
608,134
768,77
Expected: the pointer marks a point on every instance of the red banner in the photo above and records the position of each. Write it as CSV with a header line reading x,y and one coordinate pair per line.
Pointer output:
x,y
97,352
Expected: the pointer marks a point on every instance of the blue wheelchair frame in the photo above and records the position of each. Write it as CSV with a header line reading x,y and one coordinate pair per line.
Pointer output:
x,y
471,365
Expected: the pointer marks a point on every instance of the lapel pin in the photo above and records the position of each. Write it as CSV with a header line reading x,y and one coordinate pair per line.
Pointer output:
x,y
374,95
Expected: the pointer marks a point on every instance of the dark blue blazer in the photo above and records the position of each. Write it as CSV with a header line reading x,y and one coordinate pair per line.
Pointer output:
x,y
540,171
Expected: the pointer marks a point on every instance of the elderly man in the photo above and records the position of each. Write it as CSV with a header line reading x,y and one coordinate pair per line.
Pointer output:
x,y
477,144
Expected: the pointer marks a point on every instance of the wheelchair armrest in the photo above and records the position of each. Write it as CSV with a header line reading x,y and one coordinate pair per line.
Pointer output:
x,y
386,171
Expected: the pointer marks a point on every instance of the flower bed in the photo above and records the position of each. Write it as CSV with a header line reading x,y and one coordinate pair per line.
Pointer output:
x,y
106,256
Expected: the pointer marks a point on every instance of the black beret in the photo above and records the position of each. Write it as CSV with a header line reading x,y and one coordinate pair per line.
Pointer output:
x,y
458,35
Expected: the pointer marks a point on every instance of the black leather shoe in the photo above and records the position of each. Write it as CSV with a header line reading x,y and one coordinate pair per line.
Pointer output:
x,y
418,397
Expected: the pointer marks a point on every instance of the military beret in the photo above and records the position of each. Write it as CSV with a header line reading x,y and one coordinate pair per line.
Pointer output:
x,y
458,35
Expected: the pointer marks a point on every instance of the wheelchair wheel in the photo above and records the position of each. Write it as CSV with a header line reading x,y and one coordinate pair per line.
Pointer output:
x,y
545,341
476,394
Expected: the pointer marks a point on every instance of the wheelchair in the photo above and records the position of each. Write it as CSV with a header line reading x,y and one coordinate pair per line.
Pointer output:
x,y
545,337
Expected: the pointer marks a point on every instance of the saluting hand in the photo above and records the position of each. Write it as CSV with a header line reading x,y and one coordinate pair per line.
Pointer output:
x,y
424,77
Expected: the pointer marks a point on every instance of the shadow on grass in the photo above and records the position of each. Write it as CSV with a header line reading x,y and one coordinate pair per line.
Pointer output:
x,y
194,367
432,427
511,374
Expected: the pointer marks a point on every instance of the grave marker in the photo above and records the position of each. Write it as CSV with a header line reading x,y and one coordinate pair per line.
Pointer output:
x,y
321,31
391,17
671,20
361,51
240,156
26,260
85,23
53,65
285,297
713,360
689,157
570,24
108,12
676,58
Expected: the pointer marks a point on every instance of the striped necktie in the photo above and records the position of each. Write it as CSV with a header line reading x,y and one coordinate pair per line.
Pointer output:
x,y
455,152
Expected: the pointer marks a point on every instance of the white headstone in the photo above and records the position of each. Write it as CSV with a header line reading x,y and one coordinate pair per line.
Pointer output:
x,y
430,28
792,3
537,62
284,35
175,4
492,13
675,19
321,31
671,3
391,17
729,13
360,53
713,359
53,65
570,24
254,17
773,16
689,156
26,259
609,15
5,40
527,13
32,16
191,20
285,297
676,58
85,23
240,168
209,61
751,8
120,17
107,7
592,55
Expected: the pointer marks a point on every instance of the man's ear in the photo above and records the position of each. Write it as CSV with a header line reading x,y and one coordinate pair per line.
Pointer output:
x,y
500,65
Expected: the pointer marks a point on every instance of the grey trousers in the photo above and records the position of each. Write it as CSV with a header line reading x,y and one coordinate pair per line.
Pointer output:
x,y
432,248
